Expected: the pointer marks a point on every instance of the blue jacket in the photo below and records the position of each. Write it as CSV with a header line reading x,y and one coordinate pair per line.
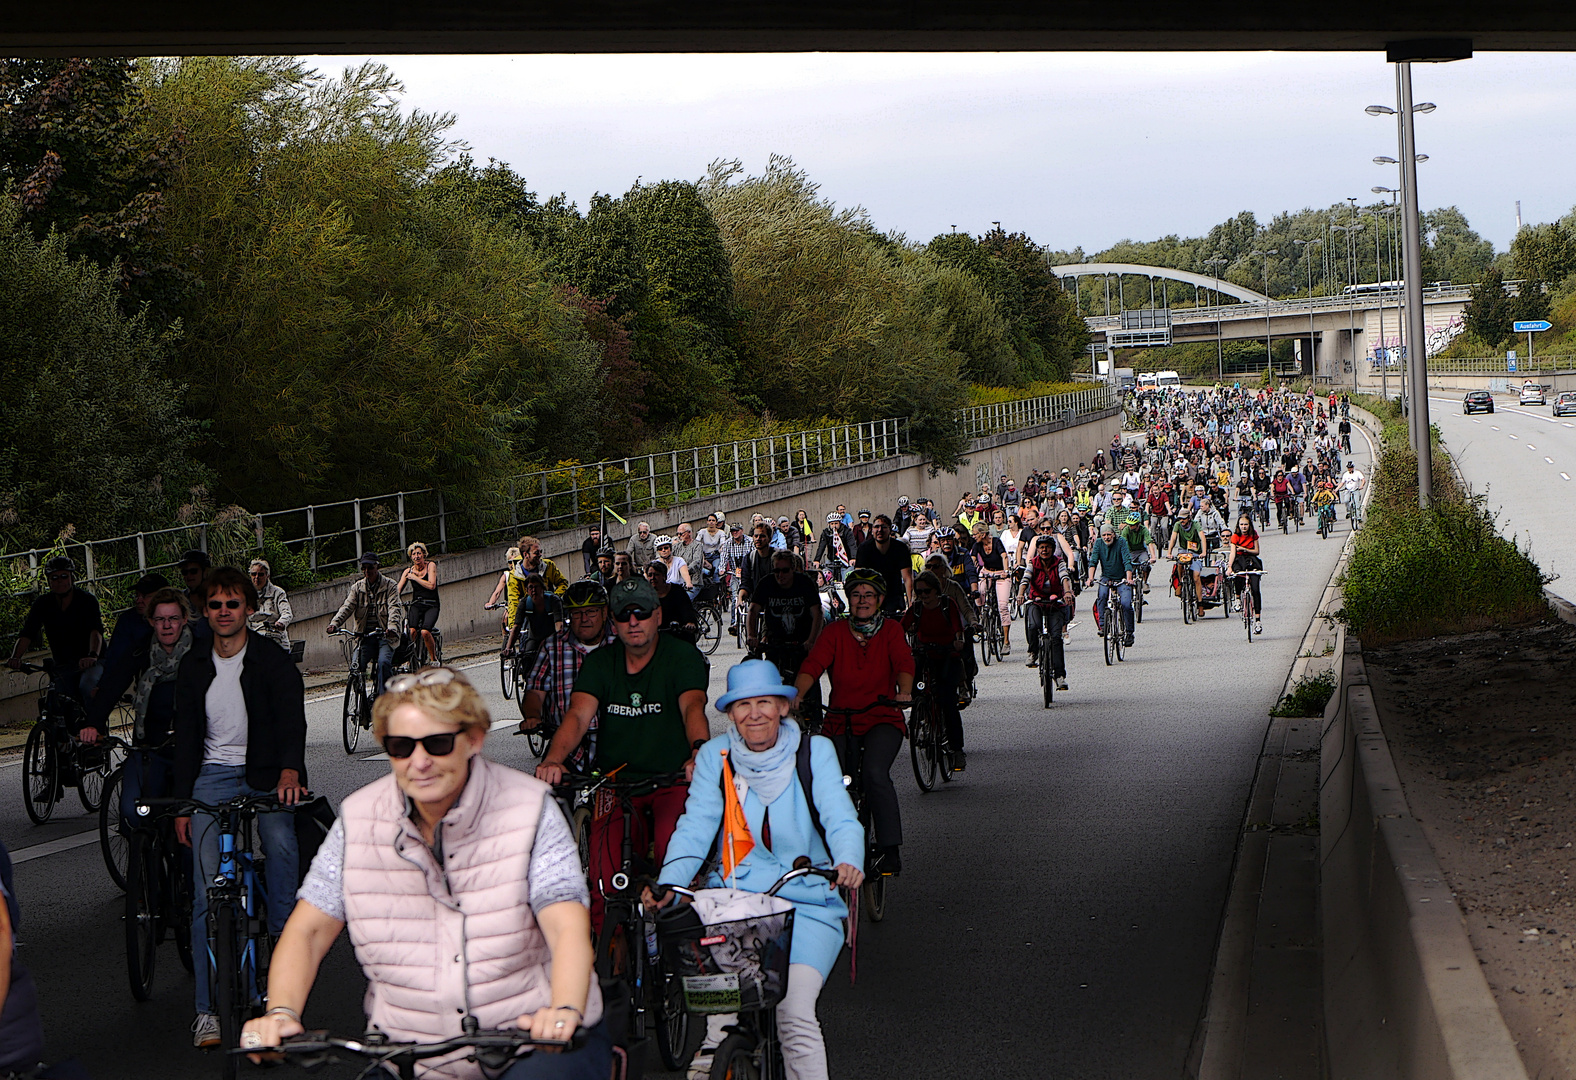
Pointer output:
x,y
818,925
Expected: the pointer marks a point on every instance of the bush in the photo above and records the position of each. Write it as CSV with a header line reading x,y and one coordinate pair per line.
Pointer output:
x,y
1444,570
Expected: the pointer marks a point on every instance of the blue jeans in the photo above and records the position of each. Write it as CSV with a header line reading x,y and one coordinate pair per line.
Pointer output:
x,y
385,662
1124,597
215,784
593,1061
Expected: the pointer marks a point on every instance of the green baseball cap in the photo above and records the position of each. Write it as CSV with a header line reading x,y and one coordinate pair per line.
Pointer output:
x,y
633,592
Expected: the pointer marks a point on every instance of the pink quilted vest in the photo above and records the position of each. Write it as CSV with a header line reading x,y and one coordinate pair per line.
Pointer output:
x,y
438,941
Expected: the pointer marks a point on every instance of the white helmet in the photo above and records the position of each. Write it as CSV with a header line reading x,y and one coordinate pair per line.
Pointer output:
x,y
664,541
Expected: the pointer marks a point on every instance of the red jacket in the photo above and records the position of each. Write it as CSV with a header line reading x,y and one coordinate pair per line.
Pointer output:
x,y
860,674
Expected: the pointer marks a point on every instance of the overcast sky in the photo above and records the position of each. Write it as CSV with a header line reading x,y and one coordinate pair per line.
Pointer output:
x,y
1074,149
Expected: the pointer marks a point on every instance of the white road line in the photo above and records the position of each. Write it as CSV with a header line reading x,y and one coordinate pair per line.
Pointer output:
x,y
1494,426
65,843
1531,447
1565,476
1549,460
1476,421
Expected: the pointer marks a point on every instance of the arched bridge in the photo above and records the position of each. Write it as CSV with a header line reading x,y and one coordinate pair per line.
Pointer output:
x,y
1202,281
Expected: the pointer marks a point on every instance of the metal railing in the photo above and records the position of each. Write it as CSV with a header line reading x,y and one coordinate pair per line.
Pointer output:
x,y
1439,294
1499,365
331,537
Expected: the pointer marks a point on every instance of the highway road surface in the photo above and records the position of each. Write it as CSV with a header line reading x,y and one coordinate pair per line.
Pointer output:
x,y
1059,905
1523,458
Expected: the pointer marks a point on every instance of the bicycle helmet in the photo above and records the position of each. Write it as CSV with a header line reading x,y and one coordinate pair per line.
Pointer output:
x,y
864,576
664,541
1135,518
902,500
944,533
585,594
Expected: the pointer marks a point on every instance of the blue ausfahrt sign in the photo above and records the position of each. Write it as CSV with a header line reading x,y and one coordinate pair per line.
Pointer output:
x,y
1532,326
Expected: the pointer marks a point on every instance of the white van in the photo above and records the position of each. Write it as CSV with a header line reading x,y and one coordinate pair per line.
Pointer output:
x,y
1147,379
1167,378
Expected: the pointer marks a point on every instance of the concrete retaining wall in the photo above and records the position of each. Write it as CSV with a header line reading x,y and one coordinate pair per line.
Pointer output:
x,y
467,579
1404,995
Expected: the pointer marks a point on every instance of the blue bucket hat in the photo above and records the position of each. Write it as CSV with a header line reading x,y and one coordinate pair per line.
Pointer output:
x,y
755,678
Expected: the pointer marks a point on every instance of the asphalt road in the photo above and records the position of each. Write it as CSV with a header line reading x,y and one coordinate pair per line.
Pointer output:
x,y
1056,917
1523,459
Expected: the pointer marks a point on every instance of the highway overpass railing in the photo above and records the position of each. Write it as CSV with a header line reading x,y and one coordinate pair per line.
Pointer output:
x,y
1498,365
1294,306
330,537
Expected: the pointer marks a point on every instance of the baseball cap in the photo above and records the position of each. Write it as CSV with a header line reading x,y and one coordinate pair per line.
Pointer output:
x,y
369,558
635,592
59,563
195,555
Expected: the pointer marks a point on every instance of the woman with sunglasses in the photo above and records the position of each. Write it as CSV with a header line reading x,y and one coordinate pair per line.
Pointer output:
x,y
460,884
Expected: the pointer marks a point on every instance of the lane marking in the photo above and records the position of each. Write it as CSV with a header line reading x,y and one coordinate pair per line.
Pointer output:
x,y
1494,426
1549,460
1565,476
1531,447
1475,420
65,843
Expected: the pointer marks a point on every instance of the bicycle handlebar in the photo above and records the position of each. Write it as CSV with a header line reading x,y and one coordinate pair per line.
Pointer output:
x,y
241,803
880,701
591,781
495,1048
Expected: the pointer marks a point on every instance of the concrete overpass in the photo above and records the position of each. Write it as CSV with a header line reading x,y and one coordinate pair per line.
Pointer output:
x,y
1330,332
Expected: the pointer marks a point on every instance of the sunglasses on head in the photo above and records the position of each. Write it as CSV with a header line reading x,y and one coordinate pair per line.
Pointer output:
x,y
215,605
399,684
401,747
635,613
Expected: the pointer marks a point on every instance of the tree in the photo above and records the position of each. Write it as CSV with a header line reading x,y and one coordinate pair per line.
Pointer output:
x,y
91,435
1544,252
1452,251
1488,315
78,160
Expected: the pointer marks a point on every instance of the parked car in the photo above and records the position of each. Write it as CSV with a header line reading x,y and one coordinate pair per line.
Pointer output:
x,y
1477,401
1565,403
1532,394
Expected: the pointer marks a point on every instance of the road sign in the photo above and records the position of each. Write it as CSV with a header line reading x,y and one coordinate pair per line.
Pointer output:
x,y
1510,361
1532,326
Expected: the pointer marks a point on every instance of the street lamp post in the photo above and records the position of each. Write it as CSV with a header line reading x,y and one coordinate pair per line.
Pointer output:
x,y
1313,367
1412,260
1400,319
1351,294
1220,348
1269,357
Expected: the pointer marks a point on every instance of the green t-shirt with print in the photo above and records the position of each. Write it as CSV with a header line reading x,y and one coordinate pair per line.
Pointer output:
x,y
639,722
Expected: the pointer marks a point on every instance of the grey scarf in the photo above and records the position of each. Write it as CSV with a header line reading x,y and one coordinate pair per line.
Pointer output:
x,y
768,772
162,667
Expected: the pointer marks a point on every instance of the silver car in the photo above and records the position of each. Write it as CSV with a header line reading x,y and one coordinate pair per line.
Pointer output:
x,y
1565,403
1531,394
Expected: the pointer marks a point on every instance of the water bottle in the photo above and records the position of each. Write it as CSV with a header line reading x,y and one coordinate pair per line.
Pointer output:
x,y
651,941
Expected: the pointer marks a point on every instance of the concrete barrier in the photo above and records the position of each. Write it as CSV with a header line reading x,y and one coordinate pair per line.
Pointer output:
x,y
466,579
1404,995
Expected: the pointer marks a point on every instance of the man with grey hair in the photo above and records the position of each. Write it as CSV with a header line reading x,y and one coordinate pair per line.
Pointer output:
x,y
690,550
1112,562
273,615
642,546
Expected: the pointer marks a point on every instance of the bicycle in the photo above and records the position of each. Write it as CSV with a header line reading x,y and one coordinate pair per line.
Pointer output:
x,y
1245,598
506,662
992,641
708,606
1326,520
1111,624
1261,508
927,736
754,960
1141,572
158,898
491,1048
239,944
360,684
625,949
1187,588
414,649
873,892
1047,680
54,757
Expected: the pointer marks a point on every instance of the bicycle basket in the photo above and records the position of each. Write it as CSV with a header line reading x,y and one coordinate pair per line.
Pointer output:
x,y
729,965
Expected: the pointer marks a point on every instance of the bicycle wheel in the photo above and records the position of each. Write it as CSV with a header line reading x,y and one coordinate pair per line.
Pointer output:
x,y
1109,633
522,672
710,629
678,1037
580,827
115,848
40,774
997,640
873,892
177,897
1247,611
984,647
506,675
537,739
142,914
1138,602
920,749
229,997
734,1059
938,739
1047,683
1119,638
93,769
350,713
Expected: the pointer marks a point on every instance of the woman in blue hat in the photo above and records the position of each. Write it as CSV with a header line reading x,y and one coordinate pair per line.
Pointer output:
x,y
763,751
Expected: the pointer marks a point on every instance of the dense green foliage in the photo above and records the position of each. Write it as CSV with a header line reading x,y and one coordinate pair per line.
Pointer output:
x,y
92,431
327,298
1417,573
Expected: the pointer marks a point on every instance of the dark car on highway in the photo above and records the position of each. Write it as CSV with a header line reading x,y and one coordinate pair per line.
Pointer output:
x,y
1565,403
1477,401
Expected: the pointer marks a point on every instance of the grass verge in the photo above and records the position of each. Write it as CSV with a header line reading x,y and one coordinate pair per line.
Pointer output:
x,y
1308,696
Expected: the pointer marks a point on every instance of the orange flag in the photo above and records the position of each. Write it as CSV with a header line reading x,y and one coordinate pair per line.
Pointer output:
x,y
736,839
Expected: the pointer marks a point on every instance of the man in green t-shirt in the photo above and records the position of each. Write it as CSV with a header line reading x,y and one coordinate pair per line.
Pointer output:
x,y
647,692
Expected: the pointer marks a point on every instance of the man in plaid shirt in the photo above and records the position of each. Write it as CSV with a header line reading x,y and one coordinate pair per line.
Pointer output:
x,y
552,679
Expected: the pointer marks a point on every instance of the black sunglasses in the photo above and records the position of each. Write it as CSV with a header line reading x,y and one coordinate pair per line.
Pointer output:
x,y
401,747
633,613
215,605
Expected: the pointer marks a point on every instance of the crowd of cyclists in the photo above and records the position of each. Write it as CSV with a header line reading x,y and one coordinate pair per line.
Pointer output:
x,y
461,881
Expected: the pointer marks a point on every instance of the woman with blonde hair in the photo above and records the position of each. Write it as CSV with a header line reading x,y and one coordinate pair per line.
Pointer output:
x,y
421,611
460,884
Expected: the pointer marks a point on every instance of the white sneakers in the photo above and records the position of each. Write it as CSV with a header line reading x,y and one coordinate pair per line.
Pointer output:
x,y
1258,626
205,1031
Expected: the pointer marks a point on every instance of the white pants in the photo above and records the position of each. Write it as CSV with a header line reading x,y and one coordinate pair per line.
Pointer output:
x,y
804,1050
